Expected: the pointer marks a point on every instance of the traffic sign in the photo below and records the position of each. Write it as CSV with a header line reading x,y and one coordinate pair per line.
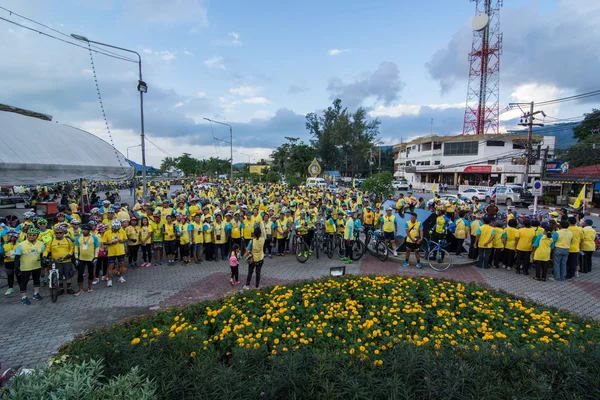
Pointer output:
x,y
537,188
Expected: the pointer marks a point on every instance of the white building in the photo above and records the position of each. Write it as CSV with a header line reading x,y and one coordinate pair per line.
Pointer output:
x,y
470,159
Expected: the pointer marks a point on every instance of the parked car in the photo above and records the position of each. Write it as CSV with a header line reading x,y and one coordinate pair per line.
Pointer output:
x,y
401,185
482,195
446,197
513,194
310,182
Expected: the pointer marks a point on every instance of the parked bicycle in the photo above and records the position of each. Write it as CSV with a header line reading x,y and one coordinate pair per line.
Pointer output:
x,y
376,245
437,256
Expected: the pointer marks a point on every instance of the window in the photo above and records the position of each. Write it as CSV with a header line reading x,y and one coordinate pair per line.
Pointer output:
x,y
495,143
518,146
491,162
437,162
426,162
419,148
437,146
426,147
461,148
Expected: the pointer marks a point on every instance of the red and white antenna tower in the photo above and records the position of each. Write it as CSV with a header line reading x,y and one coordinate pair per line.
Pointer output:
x,y
483,94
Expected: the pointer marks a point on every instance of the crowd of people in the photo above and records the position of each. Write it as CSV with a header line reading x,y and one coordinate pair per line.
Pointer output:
x,y
208,223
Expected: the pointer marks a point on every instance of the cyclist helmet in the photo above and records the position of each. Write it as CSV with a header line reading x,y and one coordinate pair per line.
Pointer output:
x,y
111,210
62,208
106,202
29,215
348,212
33,231
92,222
101,227
85,227
95,210
13,233
302,212
58,229
75,222
42,221
116,224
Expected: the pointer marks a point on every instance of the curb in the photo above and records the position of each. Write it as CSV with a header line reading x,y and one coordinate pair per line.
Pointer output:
x,y
464,262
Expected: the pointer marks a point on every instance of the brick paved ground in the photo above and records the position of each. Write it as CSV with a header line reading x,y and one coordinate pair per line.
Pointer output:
x,y
30,334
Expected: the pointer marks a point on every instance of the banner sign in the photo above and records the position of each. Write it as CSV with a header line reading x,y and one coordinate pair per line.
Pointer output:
x,y
479,168
557,168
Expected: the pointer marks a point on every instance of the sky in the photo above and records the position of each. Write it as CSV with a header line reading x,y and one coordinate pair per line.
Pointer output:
x,y
261,66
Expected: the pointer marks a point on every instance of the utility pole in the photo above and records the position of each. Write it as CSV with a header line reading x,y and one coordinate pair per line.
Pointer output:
x,y
527,120
379,158
370,162
544,161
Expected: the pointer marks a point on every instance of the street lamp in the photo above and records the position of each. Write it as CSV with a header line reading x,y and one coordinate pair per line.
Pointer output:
x,y
142,88
248,155
224,141
131,147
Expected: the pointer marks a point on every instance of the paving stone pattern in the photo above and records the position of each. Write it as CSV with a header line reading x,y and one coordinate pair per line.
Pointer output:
x,y
31,334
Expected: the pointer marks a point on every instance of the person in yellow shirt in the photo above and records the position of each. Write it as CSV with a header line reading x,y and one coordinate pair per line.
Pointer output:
x,y
256,246
524,245
186,230
563,238
414,237
474,225
208,230
114,239
282,231
401,205
171,235
220,237
510,236
484,239
133,241
348,237
368,219
498,244
157,238
28,263
10,249
461,232
86,255
197,237
146,241
60,250
574,249
589,245
388,222
543,243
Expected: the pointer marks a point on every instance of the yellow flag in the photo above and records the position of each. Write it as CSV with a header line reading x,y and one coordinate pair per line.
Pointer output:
x,y
434,188
579,198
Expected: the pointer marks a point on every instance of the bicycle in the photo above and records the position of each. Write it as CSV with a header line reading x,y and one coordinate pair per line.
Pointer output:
x,y
435,253
329,244
378,247
301,250
358,248
53,282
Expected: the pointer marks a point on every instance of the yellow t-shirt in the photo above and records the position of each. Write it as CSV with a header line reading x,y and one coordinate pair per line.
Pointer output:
x,y
544,248
156,229
511,237
497,242
577,236
248,229
208,230
86,247
525,239
474,226
117,249
185,236
10,250
170,232
389,223
414,231
59,249
30,255
589,237
461,229
145,231
236,229
257,245
485,233
198,232
564,239
133,235
220,236
369,217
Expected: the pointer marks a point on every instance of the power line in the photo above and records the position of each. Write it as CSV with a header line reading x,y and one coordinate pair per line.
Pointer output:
x,y
160,148
66,41
57,31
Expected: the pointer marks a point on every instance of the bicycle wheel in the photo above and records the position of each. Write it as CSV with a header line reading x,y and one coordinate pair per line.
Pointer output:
x,y
329,247
53,283
439,259
341,248
382,251
358,249
302,252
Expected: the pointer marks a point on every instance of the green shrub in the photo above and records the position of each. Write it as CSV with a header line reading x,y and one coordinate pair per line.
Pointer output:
x,y
367,348
83,381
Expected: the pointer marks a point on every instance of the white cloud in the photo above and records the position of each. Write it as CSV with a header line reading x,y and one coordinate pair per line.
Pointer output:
x,y
529,92
400,110
234,40
256,100
215,62
148,51
188,53
166,55
336,52
246,91
261,114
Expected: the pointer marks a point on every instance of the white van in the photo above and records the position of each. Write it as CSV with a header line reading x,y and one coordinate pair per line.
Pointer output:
x,y
311,182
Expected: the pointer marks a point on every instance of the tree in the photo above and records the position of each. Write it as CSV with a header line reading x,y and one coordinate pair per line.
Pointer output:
x,y
294,180
293,157
585,152
590,126
343,140
187,164
380,184
167,163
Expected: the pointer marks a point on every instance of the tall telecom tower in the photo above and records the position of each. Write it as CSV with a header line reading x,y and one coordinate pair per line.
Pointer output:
x,y
483,94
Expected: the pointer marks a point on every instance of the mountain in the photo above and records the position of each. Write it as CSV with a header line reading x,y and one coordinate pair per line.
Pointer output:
x,y
563,133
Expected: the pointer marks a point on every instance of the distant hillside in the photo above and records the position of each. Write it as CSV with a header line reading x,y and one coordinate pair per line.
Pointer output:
x,y
562,132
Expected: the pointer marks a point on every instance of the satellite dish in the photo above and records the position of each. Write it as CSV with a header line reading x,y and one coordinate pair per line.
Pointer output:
x,y
480,22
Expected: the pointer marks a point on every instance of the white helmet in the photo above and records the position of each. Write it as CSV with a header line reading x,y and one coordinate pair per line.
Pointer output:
x,y
29,214
116,224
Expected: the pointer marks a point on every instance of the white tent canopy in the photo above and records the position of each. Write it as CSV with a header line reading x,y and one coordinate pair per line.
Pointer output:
x,y
33,151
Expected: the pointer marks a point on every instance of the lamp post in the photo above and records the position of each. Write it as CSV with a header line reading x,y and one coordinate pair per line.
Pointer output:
x,y
224,141
131,147
142,88
248,155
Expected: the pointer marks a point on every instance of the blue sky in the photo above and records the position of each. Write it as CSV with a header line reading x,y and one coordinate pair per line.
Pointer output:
x,y
263,65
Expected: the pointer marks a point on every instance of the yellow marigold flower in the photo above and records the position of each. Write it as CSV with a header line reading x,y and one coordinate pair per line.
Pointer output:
x,y
193,354
135,341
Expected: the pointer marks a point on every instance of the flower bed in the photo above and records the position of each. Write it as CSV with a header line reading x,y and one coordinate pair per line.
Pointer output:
x,y
368,322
